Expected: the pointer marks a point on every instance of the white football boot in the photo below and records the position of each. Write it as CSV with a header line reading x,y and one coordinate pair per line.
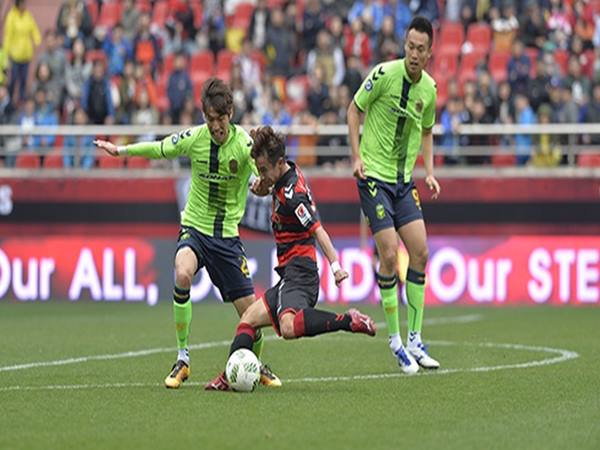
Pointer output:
x,y
406,362
419,352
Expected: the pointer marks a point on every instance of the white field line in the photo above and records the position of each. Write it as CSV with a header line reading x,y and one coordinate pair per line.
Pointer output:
x,y
152,351
561,356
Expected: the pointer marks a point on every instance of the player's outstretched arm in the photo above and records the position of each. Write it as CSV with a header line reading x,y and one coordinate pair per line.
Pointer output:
x,y
430,180
109,147
327,247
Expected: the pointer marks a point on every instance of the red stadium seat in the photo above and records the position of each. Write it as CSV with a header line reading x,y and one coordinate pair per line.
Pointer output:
x,y
562,60
27,161
452,36
498,65
242,15
161,13
480,36
468,66
138,163
161,94
53,160
198,13
95,55
588,159
201,65
224,63
168,63
504,160
110,162
92,8
445,65
110,14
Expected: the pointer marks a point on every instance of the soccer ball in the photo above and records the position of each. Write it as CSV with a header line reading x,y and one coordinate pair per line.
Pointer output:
x,y
243,370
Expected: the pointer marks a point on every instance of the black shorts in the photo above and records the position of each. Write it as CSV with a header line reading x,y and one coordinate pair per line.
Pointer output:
x,y
388,205
298,289
224,259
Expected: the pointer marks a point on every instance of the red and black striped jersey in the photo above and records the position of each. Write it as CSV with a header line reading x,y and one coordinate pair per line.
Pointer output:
x,y
294,218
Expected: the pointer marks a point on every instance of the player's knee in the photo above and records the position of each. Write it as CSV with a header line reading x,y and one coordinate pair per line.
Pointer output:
x,y
183,277
287,329
420,257
389,259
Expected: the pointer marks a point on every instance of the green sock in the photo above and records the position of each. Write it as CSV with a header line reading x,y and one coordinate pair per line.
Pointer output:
x,y
415,294
388,287
182,311
259,343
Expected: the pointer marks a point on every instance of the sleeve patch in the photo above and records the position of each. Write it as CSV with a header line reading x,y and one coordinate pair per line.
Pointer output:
x,y
303,214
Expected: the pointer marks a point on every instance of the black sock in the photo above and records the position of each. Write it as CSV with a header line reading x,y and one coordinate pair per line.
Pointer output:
x,y
312,322
244,338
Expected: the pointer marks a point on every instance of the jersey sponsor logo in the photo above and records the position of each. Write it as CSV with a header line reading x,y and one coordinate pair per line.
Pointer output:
x,y
288,191
216,177
380,211
419,105
233,166
303,214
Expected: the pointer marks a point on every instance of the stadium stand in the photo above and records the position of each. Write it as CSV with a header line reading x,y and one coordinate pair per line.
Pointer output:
x,y
466,48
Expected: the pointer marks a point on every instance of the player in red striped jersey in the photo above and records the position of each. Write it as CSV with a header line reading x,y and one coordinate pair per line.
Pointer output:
x,y
290,304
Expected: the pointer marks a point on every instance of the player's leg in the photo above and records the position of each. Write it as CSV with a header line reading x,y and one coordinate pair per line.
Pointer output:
x,y
414,237
252,319
312,322
386,241
241,305
186,264
297,317
228,270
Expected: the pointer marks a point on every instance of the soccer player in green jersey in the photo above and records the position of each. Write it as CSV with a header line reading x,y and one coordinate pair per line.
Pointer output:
x,y
398,98
221,168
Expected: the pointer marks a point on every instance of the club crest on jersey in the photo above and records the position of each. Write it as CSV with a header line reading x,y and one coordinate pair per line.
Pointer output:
x,y
368,85
303,214
288,191
233,166
419,105
174,139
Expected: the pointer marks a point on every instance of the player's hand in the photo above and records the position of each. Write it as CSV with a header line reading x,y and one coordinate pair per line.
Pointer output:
x,y
260,187
433,185
358,169
340,276
107,146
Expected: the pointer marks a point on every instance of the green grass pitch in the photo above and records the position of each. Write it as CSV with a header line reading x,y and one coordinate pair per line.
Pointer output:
x,y
340,391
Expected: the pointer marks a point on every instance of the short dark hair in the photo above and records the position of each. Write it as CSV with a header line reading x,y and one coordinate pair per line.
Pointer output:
x,y
217,95
422,25
268,143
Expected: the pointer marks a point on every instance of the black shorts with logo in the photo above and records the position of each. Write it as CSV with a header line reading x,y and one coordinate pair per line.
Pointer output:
x,y
224,259
298,289
388,205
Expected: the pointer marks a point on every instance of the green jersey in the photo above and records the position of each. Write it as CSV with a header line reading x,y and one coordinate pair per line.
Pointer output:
x,y
220,176
397,111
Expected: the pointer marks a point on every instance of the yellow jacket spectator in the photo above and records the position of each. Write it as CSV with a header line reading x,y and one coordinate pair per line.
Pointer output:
x,y
21,34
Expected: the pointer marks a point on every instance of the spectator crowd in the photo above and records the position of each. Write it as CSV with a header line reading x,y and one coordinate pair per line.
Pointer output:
x,y
144,62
